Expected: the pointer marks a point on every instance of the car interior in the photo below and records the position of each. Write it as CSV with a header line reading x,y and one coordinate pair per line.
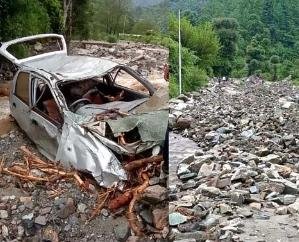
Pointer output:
x,y
44,102
97,91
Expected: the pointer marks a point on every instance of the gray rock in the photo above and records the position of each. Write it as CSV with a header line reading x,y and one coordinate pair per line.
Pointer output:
x,y
288,199
239,196
198,236
283,210
222,183
263,151
45,211
183,169
212,136
67,209
28,216
146,215
190,227
253,189
208,191
5,232
294,208
189,184
21,208
41,220
225,208
272,158
122,230
211,221
188,176
245,212
3,214
81,207
155,194
154,181
247,134
176,219
21,231
206,169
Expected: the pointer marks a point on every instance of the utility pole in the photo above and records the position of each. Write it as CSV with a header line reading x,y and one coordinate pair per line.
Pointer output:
x,y
180,54
124,24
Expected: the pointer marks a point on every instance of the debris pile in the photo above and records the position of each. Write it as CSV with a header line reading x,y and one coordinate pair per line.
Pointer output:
x,y
149,60
246,169
142,201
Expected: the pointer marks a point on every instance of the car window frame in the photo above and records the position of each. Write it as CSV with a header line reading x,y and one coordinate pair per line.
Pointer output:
x,y
33,108
144,82
29,89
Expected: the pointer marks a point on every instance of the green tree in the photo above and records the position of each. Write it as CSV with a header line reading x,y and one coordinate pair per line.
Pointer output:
x,y
227,29
21,18
201,39
111,16
255,55
200,48
274,60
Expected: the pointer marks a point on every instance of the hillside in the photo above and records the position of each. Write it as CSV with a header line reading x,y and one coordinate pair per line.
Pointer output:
x,y
267,33
142,3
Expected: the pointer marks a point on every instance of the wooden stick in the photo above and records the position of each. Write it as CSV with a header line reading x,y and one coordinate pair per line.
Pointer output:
x,y
33,156
24,177
100,205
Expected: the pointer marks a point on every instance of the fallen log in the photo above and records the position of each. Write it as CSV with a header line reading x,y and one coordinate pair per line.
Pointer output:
x,y
136,164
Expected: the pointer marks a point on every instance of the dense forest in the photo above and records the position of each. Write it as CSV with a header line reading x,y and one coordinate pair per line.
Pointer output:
x,y
80,19
234,38
258,37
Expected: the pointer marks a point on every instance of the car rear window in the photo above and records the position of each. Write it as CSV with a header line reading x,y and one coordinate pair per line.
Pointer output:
x,y
22,87
35,47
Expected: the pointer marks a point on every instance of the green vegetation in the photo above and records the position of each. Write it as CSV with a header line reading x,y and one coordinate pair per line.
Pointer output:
x,y
81,19
199,53
260,36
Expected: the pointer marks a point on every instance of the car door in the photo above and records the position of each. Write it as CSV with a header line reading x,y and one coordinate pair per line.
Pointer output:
x,y
20,100
45,117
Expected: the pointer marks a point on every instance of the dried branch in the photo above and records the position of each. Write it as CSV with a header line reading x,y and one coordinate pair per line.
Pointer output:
x,y
136,164
132,217
121,200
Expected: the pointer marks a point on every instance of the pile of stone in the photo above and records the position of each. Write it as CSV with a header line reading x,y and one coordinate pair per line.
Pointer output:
x,y
145,58
247,164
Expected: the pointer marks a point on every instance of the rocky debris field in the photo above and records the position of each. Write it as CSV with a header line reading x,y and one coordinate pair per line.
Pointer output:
x,y
146,59
62,210
242,183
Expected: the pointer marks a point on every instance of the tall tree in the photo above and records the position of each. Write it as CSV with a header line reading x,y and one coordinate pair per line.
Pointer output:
x,y
227,29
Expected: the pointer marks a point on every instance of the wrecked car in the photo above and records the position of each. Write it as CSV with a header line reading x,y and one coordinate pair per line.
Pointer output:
x,y
79,111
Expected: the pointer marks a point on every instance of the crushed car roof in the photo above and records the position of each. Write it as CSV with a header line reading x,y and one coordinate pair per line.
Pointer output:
x,y
72,67
58,62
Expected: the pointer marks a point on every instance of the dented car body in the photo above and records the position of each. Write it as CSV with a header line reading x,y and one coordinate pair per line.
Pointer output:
x,y
78,110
